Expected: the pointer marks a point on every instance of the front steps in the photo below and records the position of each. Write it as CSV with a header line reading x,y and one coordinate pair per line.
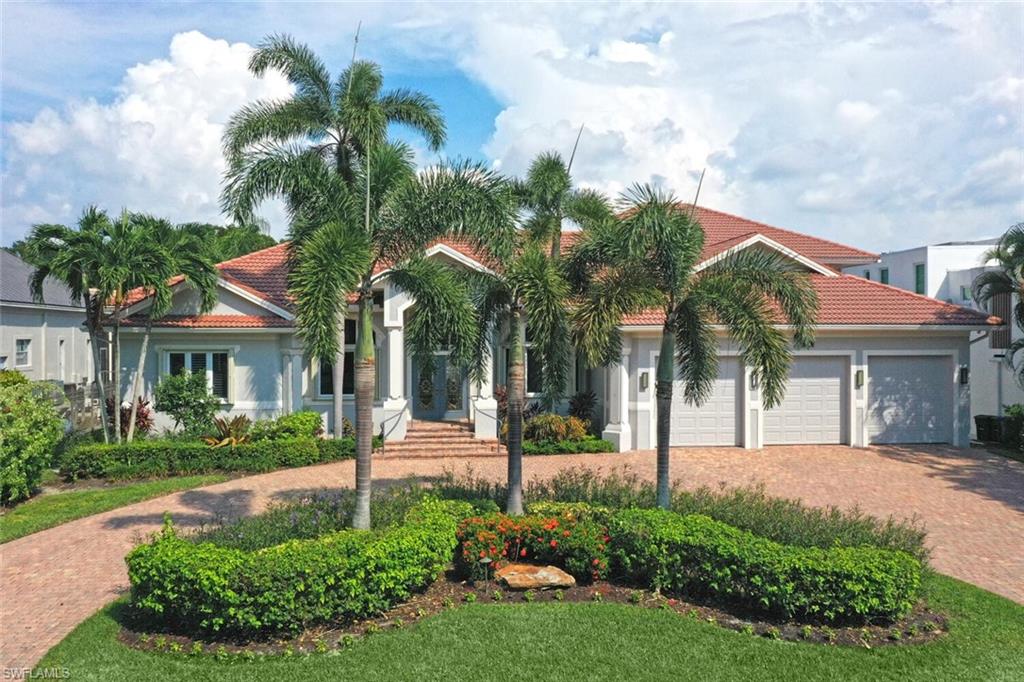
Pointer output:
x,y
432,440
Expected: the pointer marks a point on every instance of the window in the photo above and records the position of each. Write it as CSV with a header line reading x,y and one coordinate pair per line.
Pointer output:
x,y
883,275
214,364
867,274
965,294
919,278
1000,338
534,375
22,352
325,374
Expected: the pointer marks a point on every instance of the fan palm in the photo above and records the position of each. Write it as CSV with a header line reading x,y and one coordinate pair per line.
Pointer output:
x,y
182,252
651,258
1006,280
284,147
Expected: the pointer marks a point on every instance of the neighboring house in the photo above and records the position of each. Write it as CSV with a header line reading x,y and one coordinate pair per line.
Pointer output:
x,y
946,272
887,366
44,341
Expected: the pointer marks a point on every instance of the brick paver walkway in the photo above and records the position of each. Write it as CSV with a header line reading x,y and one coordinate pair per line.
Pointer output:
x,y
972,503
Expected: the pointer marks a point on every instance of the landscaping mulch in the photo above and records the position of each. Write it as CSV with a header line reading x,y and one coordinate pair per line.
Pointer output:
x,y
448,592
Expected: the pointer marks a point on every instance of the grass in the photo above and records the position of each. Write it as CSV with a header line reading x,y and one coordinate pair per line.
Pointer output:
x,y
565,641
47,511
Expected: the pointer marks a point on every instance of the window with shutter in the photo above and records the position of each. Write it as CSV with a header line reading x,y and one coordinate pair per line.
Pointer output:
x,y
1000,338
220,375
177,363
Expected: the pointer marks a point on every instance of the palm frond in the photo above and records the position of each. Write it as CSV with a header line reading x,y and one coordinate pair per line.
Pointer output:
x,y
696,350
492,299
418,112
280,122
588,208
297,62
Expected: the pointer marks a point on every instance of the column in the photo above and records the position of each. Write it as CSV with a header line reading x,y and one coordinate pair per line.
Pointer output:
x,y
618,430
485,407
753,426
395,402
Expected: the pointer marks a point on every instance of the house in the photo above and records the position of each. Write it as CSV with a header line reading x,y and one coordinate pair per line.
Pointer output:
x,y
44,341
888,366
946,272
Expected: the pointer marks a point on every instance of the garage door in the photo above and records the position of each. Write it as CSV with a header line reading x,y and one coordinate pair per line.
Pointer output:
x,y
717,421
910,399
815,407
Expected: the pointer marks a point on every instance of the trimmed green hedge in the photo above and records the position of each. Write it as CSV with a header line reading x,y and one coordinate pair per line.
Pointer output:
x,y
567,447
207,590
166,457
695,554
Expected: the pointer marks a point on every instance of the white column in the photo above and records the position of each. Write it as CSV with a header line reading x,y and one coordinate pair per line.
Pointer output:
x,y
291,380
753,426
286,383
618,430
485,407
395,403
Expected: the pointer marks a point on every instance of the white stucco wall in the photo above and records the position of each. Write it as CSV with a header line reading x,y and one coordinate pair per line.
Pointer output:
x,y
47,328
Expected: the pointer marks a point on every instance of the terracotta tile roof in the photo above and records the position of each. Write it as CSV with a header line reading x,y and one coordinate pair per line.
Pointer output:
x,y
850,300
212,321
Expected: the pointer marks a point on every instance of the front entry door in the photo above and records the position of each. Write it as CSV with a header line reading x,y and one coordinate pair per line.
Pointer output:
x,y
440,395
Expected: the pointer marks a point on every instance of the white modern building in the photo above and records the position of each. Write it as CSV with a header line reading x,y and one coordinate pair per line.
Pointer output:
x,y
44,341
887,367
946,272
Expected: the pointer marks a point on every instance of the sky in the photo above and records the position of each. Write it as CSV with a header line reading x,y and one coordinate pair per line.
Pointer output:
x,y
883,126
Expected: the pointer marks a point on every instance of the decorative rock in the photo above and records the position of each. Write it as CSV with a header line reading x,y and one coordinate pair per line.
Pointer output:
x,y
530,577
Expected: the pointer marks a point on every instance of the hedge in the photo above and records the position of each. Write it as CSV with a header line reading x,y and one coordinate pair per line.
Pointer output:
x,y
695,554
567,447
208,590
167,457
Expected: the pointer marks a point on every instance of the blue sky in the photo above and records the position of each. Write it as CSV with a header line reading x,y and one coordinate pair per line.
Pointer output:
x,y
882,126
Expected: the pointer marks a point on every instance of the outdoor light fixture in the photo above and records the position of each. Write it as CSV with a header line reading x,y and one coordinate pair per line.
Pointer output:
x,y
858,378
754,382
965,375
644,380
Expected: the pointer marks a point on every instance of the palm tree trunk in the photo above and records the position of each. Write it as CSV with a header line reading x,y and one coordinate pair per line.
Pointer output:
x,y
663,392
556,243
365,365
137,383
516,388
116,372
97,367
338,371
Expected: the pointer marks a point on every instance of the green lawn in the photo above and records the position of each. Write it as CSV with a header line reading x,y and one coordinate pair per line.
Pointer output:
x,y
553,641
47,511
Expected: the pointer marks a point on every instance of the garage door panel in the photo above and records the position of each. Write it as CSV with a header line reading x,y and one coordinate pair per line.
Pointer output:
x,y
717,421
814,408
910,399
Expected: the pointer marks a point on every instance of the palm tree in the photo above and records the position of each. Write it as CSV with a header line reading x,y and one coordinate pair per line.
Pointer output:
x,y
650,258
183,253
73,257
327,126
1007,280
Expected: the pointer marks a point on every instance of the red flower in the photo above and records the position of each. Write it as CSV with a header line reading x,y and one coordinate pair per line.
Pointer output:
x,y
597,562
482,554
554,543
565,533
522,552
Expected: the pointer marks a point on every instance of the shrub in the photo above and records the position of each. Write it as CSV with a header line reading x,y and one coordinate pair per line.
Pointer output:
x,y
186,397
578,545
229,432
554,427
302,424
582,406
209,590
695,554
170,457
567,447
143,417
12,377
30,431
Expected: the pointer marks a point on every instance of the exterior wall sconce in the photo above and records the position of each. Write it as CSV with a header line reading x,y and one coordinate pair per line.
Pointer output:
x,y
645,380
755,381
965,375
858,378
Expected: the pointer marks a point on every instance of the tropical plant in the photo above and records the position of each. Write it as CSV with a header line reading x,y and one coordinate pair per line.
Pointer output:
x,y
351,192
232,241
185,256
187,398
582,406
30,430
651,258
1006,280
98,262
135,417
229,432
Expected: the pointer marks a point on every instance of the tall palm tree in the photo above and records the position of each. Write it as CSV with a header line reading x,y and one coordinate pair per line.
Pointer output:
x,y
650,258
73,257
326,126
1007,280
182,252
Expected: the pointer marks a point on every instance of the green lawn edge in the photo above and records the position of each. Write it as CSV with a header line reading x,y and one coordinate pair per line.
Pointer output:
x,y
48,511
563,641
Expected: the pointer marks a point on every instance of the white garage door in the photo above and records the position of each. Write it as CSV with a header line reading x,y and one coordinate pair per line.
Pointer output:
x,y
717,421
910,399
814,409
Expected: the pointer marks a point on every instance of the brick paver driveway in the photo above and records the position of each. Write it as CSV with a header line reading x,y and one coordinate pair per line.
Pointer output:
x,y
972,503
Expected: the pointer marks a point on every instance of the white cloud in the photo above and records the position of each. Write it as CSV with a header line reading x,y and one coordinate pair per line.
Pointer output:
x,y
857,113
156,147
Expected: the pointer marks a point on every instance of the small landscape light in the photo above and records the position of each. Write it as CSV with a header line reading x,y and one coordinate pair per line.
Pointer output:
x,y
858,378
755,381
965,375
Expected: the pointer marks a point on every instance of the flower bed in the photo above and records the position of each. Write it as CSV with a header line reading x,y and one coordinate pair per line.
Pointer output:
x,y
216,591
169,457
